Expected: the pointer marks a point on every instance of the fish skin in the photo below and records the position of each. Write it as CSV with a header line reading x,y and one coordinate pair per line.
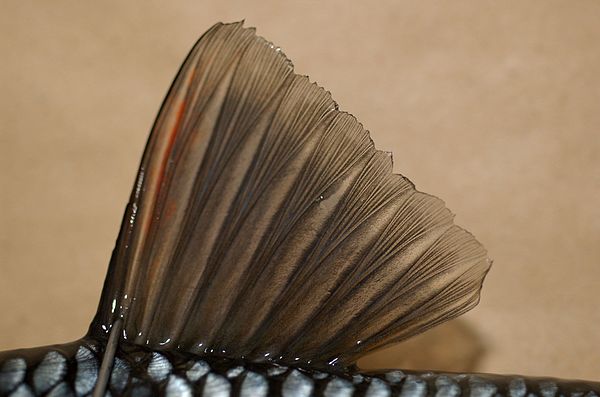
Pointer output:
x,y
72,370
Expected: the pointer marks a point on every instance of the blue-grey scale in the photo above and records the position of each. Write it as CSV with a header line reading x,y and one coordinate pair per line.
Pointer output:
x,y
72,370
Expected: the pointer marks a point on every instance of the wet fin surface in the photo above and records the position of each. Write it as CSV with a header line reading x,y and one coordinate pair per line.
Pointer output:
x,y
265,225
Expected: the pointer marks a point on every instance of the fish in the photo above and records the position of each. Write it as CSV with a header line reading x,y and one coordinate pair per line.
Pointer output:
x,y
266,247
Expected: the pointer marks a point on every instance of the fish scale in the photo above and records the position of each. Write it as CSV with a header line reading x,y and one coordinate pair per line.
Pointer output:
x,y
141,372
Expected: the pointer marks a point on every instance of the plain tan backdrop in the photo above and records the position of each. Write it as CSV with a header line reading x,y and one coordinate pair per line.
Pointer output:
x,y
492,106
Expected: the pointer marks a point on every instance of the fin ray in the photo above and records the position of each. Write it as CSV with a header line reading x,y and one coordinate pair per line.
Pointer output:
x,y
264,224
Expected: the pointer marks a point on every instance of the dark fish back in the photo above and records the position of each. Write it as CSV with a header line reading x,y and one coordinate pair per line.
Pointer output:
x,y
72,370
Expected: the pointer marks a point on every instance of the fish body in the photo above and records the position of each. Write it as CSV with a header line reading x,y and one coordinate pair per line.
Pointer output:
x,y
72,370
267,246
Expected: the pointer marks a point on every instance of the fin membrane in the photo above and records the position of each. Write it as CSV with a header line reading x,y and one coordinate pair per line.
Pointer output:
x,y
264,224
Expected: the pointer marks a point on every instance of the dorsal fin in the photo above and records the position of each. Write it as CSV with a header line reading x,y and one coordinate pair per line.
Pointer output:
x,y
264,224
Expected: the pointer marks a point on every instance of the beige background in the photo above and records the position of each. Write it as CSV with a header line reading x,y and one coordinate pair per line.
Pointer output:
x,y
493,106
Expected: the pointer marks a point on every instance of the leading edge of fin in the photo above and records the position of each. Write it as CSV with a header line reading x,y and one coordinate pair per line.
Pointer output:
x,y
264,224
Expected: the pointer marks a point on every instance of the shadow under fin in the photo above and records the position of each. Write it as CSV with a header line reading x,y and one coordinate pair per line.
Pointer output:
x,y
263,223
